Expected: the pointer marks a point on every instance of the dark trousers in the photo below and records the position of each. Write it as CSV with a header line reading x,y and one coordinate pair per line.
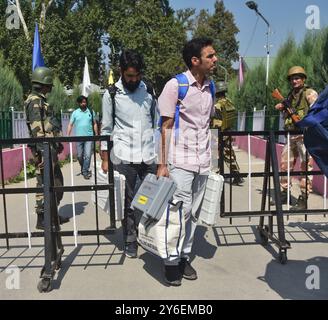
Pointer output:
x,y
131,171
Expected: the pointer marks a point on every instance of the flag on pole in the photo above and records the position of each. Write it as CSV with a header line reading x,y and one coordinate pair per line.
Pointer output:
x,y
86,79
37,58
241,72
111,78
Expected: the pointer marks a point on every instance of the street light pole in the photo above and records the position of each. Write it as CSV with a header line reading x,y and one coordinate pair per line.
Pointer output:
x,y
253,6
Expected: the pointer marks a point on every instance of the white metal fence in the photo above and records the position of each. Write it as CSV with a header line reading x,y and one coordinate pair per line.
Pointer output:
x,y
20,129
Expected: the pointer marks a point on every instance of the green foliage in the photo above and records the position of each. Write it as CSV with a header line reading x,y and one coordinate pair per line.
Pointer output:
x,y
95,102
11,92
75,95
68,36
30,173
74,29
156,33
252,93
58,98
311,53
222,29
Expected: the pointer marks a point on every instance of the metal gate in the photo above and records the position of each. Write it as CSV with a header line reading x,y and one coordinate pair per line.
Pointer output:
x,y
52,234
271,170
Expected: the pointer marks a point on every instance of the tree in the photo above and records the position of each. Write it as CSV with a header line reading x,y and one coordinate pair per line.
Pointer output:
x,y
69,30
222,29
58,98
156,33
311,54
95,102
11,92
315,47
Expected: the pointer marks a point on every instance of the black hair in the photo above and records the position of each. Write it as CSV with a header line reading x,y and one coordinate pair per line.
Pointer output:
x,y
193,48
131,59
81,98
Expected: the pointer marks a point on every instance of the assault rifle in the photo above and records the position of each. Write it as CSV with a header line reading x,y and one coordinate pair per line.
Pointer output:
x,y
286,105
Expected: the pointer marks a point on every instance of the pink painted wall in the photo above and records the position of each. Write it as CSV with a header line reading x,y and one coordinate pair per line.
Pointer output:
x,y
13,159
258,148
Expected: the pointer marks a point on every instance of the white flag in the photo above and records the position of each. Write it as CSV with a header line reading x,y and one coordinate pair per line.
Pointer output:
x,y
86,79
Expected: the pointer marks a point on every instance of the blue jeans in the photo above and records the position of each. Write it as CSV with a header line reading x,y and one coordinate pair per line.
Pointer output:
x,y
84,151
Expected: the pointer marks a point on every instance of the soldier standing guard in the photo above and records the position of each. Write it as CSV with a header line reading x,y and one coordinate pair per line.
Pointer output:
x,y
223,119
300,99
41,122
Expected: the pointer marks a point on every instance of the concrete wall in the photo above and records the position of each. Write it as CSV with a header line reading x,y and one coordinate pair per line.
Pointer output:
x,y
258,147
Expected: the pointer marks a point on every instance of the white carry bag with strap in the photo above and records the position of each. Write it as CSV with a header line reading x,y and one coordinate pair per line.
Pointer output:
x,y
163,237
103,195
211,205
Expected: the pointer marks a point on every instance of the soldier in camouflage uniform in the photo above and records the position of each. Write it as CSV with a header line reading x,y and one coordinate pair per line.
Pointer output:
x,y
41,122
218,122
300,99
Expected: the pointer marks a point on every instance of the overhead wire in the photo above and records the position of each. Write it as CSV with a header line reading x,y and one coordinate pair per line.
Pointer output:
x,y
252,36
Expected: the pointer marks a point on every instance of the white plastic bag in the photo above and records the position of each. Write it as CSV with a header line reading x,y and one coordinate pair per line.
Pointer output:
x,y
164,237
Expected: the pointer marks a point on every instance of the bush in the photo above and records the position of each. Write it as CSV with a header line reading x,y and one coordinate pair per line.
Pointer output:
x,y
11,91
58,98
95,102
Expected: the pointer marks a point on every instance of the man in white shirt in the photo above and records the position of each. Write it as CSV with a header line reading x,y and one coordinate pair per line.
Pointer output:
x,y
129,113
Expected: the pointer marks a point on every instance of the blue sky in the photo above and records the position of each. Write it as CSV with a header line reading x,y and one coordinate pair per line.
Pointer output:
x,y
285,16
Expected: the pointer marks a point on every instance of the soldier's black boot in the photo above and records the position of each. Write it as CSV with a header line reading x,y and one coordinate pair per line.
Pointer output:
x,y
283,199
40,222
301,203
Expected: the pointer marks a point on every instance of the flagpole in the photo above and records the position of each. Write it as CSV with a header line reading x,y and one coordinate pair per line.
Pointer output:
x,y
241,72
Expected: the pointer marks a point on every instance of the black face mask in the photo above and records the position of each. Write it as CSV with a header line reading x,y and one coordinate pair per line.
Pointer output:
x,y
131,86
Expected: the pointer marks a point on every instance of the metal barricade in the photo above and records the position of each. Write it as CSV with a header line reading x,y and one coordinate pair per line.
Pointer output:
x,y
52,234
271,170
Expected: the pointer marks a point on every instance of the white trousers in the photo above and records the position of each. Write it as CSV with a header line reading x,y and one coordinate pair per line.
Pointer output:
x,y
190,190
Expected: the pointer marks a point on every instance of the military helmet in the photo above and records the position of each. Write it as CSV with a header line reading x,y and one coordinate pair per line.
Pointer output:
x,y
221,86
296,70
42,75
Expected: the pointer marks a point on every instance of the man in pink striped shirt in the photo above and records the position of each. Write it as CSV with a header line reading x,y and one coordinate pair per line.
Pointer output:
x,y
186,157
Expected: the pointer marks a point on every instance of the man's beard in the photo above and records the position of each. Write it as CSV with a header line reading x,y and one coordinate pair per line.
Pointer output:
x,y
131,86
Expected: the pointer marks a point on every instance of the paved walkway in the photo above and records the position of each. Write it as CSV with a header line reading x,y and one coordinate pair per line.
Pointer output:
x,y
230,261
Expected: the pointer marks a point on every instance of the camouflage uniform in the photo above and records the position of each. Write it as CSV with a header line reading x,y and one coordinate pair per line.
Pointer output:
x,y
41,122
297,149
300,104
218,122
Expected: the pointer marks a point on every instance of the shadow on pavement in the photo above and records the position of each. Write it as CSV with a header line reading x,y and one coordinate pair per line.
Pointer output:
x,y
66,264
290,281
66,210
314,230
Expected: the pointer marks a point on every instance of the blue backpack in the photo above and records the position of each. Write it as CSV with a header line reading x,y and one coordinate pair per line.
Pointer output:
x,y
315,125
182,92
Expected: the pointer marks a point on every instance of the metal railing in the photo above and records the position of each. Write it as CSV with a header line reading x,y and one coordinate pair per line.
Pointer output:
x,y
270,170
52,234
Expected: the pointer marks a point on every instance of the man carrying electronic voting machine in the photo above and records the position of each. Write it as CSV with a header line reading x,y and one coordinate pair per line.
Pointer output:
x,y
185,152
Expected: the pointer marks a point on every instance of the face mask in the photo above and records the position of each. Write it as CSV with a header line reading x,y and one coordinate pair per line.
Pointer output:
x,y
131,86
